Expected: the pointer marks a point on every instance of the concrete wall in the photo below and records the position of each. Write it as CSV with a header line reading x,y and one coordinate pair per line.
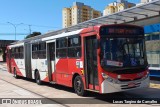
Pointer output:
x,y
153,53
153,45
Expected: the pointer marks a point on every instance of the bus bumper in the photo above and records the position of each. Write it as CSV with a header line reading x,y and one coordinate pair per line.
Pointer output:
x,y
111,87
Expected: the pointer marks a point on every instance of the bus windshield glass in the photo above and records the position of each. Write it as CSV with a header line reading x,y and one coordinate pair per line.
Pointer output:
x,y
122,51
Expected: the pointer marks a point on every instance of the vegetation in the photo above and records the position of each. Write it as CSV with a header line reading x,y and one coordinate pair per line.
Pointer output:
x,y
33,34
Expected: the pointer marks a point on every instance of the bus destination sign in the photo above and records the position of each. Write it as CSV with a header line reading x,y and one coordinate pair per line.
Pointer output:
x,y
121,30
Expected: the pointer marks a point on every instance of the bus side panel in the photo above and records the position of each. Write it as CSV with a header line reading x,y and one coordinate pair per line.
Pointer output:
x,y
21,66
12,65
75,66
8,65
62,73
34,67
8,60
15,66
42,67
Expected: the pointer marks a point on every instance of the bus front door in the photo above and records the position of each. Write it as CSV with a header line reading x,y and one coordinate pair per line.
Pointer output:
x,y
51,61
91,63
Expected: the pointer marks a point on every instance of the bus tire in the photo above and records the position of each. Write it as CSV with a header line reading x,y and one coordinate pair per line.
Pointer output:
x,y
15,73
37,78
79,86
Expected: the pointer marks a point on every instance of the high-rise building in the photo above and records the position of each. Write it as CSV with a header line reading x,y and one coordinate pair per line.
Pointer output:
x,y
78,13
117,6
66,14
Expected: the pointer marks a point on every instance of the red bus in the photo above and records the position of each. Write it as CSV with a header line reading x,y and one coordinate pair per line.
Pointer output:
x,y
103,59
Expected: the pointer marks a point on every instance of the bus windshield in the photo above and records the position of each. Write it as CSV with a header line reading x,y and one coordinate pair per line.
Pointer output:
x,y
122,52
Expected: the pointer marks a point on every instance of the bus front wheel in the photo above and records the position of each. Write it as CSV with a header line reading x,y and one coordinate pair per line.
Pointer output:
x,y
79,86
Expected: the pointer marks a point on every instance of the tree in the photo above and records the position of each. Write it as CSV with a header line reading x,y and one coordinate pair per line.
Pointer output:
x,y
33,34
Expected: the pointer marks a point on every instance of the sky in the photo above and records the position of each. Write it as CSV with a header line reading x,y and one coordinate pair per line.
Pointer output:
x,y
42,15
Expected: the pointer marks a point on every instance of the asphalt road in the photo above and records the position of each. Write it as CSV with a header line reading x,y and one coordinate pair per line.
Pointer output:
x,y
66,97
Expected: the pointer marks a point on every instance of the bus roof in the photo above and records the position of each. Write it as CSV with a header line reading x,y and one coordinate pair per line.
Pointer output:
x,y
62,33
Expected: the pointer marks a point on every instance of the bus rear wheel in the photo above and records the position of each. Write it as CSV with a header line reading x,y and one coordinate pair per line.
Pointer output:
x,y
15,73
79,86
38,79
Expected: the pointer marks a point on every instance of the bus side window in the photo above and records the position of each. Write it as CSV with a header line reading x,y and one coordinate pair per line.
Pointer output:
x,y
74,46
35,51
21,52
42,50
61,48
17,53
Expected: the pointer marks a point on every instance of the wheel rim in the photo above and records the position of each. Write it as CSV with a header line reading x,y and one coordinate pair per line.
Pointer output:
x,y
78,85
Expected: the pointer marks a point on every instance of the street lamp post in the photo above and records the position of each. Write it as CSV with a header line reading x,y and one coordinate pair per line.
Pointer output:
x,y
15,27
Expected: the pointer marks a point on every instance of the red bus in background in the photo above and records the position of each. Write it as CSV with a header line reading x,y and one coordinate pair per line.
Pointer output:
x,y
104,59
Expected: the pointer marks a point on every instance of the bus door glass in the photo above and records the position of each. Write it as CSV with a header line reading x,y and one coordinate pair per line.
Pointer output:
x,y
91,62
51,60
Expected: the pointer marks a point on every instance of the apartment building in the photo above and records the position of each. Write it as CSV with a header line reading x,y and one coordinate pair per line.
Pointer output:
x,y
117,6
78,13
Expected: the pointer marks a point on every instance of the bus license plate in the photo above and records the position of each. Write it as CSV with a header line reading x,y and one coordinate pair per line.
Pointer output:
x,y
131,84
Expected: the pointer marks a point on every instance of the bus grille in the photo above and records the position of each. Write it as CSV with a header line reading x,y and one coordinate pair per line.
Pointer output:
x,y
128,80
127,87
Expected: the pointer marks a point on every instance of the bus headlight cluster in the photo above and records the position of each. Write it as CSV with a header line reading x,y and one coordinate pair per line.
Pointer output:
x,y
109,79
146,76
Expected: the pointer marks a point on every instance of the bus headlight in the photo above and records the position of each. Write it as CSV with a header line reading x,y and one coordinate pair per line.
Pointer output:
x,y
146,76
110,79
104,76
